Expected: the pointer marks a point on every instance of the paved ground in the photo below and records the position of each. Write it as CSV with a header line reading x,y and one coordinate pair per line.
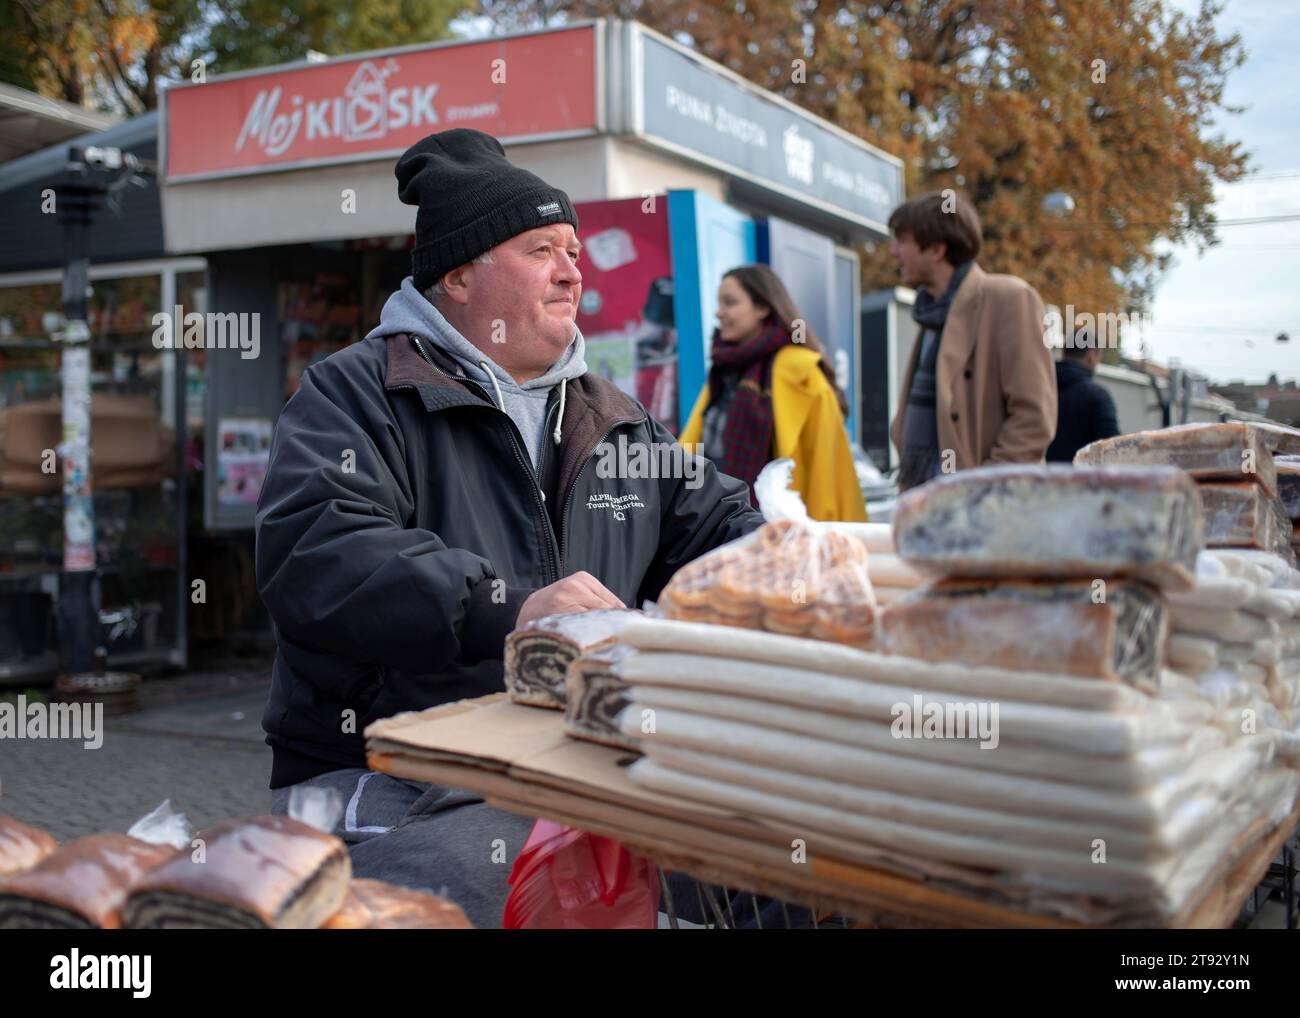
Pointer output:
x,y
197,741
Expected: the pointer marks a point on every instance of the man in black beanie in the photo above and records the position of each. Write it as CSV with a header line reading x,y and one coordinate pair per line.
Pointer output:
x,y
433,487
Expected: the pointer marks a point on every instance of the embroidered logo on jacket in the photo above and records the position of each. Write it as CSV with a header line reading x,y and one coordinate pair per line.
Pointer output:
x,y
617,504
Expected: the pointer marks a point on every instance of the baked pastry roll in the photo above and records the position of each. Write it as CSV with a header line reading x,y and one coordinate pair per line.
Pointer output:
x,y
538,652
267,872
1054,522
21,846
377,905
81,886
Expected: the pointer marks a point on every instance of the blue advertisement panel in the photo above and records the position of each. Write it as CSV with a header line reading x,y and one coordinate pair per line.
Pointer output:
x,y
707,238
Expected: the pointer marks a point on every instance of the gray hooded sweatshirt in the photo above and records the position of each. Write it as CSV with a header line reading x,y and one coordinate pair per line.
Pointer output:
x,y
408,311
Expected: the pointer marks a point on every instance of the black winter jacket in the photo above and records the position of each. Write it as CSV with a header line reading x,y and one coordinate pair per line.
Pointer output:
x,y
401,525
1085,411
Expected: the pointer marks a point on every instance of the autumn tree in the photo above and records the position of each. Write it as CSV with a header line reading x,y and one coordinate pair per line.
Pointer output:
x,y
253,33
115,54
1111,101
108,54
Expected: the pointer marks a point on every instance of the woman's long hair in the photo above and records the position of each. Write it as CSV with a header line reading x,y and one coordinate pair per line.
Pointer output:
x,y
767,291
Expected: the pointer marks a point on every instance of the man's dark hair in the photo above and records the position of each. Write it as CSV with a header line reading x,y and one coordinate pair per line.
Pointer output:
x,y
1075,352
941,217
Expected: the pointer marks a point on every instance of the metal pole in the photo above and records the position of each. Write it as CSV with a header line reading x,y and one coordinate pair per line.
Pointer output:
x,y
77,610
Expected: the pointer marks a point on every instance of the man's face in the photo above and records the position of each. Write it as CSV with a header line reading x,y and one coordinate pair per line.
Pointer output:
x,y
524,304
915,264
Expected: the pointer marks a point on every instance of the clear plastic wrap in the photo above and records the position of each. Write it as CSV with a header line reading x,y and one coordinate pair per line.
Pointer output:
x,y
1043,626
1245,516
21,846
793,575
1054,522
1288,484
1229,451
163,826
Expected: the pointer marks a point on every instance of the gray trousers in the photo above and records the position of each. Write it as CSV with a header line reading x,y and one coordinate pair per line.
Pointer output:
x,y
453,844
426,837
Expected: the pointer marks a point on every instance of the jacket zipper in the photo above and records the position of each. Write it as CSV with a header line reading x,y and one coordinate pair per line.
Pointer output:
x,y
553,559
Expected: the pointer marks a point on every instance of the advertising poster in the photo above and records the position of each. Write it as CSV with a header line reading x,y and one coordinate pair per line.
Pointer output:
x,y
626,313
243,452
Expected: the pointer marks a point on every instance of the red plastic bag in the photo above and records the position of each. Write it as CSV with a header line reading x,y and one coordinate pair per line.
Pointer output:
x,y
569,879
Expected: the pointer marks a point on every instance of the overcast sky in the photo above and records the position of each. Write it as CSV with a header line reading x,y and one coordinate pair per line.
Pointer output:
x,y
1219,312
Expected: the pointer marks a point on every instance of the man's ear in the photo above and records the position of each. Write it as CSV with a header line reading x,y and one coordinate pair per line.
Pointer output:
x,y
456,284
939,249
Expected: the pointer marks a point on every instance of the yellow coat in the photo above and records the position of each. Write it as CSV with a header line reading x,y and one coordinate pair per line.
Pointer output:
x,y
808,429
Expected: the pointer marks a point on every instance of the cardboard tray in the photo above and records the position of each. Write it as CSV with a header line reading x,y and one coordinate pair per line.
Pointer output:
x,y
520,760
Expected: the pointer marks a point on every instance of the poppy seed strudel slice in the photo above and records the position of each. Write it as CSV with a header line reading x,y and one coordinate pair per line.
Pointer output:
x,y
538,652
79,887
267,872
597,695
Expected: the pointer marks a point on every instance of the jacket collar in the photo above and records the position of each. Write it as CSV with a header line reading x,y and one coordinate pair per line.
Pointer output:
x,y
593,405
1069,373
963,317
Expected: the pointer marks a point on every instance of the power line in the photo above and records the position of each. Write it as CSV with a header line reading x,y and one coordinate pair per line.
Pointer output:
x,y
1256,221
1279,175
1226,330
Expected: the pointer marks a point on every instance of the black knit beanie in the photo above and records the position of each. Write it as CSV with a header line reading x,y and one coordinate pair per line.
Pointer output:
x,y
471,198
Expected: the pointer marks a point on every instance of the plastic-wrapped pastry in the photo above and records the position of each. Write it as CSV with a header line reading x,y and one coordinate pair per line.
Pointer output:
x,y
250,873
80,886
376,905
798,579
1054,522
1231,451
597,696
1245,516
1075,627
538,652
21,846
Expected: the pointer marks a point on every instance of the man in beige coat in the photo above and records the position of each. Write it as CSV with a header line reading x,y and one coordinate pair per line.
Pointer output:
x,y
980,385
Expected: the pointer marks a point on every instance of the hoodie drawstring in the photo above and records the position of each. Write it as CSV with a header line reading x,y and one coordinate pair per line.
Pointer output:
x,y
559,421
501,402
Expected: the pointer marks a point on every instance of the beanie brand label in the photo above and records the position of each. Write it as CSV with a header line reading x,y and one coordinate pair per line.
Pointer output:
x,y
549,209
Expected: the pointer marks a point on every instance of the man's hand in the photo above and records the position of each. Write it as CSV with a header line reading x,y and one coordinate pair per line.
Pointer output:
x,y
580,592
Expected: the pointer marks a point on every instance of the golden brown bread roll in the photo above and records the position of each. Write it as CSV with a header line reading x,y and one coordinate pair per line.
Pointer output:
x,y
22,847
376,905
80,886
254,872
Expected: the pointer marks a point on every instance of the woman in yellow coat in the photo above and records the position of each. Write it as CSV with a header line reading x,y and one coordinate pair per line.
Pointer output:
x,y
772,394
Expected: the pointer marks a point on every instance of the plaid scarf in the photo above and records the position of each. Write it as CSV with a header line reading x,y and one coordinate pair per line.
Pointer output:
x,y
747,434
